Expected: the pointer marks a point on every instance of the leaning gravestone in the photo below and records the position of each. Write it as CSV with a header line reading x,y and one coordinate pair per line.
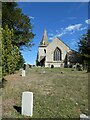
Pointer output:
x,y
27,103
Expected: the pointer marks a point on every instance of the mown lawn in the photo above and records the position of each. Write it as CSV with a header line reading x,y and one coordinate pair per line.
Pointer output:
x,y
0,71
56,94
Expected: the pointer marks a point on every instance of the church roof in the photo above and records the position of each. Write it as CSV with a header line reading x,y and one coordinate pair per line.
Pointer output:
x,y
44,40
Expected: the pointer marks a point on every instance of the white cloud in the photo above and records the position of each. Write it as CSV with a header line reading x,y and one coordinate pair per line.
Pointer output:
x,y
83,28
57,31
73,27
87,21
57,35
73,42
62,28
51,34
31,17
60,34
51,38
72,18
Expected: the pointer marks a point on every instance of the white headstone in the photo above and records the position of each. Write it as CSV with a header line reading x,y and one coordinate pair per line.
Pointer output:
x,y
23,73
27,103
27,69
83,117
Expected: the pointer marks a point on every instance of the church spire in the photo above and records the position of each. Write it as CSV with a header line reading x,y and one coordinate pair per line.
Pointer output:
x,y
44,40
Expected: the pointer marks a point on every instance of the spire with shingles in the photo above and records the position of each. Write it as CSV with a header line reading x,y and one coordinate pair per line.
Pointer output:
x,y
44,40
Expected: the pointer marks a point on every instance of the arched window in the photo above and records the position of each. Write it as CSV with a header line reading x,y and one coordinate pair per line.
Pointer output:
x,y
44,50
57,54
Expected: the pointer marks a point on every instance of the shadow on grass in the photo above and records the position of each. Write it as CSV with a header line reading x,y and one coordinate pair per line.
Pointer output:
x,y
18,109
2,82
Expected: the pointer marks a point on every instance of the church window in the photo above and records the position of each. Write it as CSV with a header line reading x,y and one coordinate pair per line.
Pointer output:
x,y
43,42
57,54
44,50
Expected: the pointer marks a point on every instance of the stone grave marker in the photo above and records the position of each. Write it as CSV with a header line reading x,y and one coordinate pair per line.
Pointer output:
x,y
24,67
27,103
23,73
27,69
84,117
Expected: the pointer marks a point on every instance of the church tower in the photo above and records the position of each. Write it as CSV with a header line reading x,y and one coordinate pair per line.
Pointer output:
x,y
44,40
42,49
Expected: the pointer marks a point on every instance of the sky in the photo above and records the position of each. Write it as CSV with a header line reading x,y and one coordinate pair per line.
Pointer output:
x,y
66,20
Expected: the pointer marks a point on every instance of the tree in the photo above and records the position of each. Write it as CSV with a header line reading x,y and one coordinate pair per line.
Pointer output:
x,y
37,62
16,32
84,48
14,18
10,53
20,63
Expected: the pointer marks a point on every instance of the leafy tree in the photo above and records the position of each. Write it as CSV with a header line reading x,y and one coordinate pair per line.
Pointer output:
x,y
84,48
14,18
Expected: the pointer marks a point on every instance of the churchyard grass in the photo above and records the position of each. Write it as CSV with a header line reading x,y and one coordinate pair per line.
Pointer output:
x,y
57,94
0,72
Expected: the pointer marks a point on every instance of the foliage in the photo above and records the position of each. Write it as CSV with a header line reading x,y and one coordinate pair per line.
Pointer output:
x,y
0,47
20,62
37,63
10,53
84,47
14,18
16,33
75,57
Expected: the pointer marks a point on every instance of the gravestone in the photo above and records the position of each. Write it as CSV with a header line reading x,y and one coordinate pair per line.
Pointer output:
x,y
23,70
27,69
23,73
24,66
27,103
84,117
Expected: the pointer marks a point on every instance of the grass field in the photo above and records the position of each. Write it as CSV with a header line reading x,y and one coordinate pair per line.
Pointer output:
x,y
0,71
56,94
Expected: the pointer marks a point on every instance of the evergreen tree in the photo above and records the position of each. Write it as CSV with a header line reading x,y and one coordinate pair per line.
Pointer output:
x,y
84,48
16,32
37,63
21,62
10,53
14,18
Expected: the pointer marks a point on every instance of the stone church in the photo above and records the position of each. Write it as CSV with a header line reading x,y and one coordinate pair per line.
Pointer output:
x,y
55,53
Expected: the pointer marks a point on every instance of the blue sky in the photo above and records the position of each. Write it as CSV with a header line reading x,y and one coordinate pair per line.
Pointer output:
x,y
66,20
